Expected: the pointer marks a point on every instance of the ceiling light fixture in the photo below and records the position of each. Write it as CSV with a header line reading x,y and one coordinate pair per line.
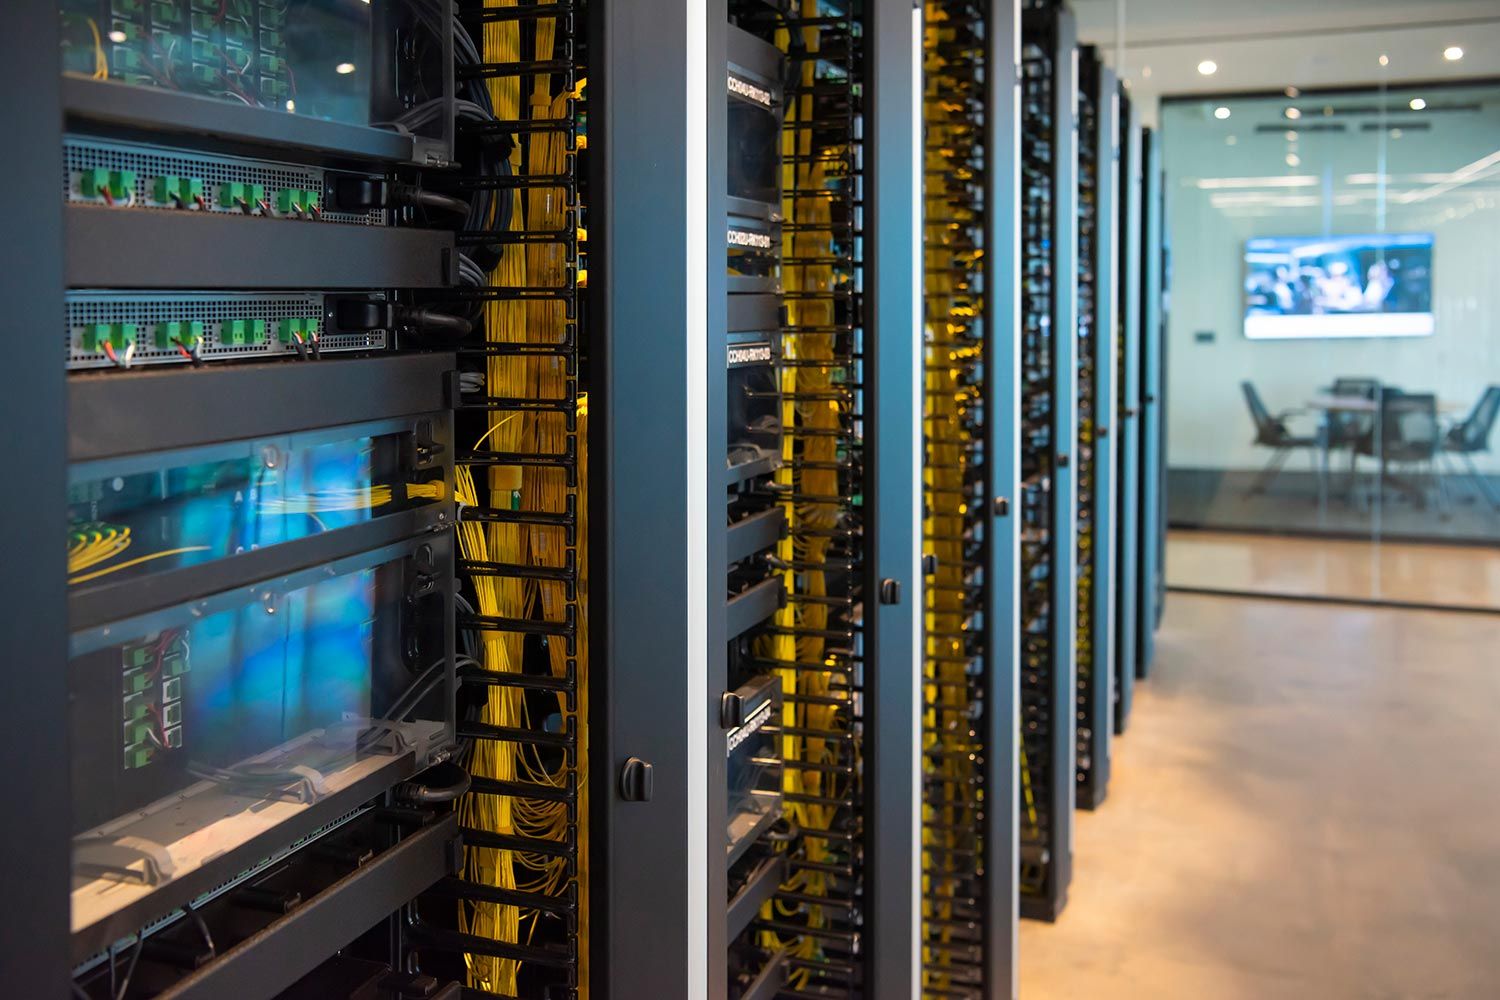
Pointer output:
x,y
1293,113
344,68
1385,60
1453,53
1208,67
1221,113
1417,104
1293,92
1292,159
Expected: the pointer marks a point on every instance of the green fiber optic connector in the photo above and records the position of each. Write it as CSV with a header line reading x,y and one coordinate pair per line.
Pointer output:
x,y
136,730
128,6
203,25
165,13
175,666
119,183
232,195
135,708
206,6
235,332
127,60
137,756
203,52
168,189
125,28
93,183
138,656
187,333
117,335
271,65
137,681
205,75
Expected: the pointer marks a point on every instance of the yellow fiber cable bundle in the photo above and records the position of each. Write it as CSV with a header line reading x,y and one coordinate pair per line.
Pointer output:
x,y
818,453
92,544
544,489
952,307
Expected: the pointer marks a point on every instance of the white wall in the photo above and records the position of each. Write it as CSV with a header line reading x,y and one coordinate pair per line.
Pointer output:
x,y
1228,182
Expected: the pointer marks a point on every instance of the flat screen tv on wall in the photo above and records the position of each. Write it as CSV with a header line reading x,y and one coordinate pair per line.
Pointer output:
x,y
1311,287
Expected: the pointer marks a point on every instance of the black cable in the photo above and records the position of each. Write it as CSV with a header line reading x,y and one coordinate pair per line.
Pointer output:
x,y
197,918
424,319
433,200
130,969
422,794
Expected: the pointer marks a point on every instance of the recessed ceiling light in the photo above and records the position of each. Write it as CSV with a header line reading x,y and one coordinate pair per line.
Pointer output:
x,y
1292,159
118,37
1396,133
1293,113
1221,113
1293,92
1145,72
1208,67
1291,135
344,68
1385,60
1232,140
291,105
1453,53
1417,104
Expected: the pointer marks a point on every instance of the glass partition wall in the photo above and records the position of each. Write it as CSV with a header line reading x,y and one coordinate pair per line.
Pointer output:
x,y
1333,344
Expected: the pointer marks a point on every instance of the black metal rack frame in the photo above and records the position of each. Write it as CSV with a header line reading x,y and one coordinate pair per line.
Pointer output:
x,y
1048,488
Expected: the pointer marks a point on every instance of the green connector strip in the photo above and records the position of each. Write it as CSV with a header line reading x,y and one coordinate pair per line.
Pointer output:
x,y
136,681
187,333
168,190
117,335
232,195
137,756
237,332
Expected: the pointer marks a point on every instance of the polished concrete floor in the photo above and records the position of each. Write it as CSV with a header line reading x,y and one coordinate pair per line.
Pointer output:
x,y
1306,805
1463,576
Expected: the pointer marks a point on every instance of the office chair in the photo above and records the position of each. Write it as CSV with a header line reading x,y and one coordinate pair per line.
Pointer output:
x,y
1409,435
1272,432
1346,429
1471,437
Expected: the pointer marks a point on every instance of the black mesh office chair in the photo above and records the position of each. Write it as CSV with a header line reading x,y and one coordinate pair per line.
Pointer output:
x,y
1409,434
1345,429
1471,437
1272,432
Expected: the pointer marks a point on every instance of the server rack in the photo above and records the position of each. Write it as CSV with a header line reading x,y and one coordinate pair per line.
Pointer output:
x,y
1128,436
256,279
1150,588
970,472
1098,389
1048,485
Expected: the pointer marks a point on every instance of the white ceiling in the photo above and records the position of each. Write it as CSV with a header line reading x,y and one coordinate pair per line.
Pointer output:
x,y
1272,44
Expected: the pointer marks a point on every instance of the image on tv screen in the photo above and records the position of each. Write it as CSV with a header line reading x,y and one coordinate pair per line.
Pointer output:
x,y
1306,287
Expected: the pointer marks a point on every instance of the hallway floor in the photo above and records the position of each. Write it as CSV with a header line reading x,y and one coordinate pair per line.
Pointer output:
x,y
1306,805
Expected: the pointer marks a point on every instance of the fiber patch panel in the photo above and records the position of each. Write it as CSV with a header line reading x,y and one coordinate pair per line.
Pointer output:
x,y
184,327
131,175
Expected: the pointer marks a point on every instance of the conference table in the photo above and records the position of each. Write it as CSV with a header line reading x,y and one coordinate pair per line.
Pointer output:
x,y
1330,405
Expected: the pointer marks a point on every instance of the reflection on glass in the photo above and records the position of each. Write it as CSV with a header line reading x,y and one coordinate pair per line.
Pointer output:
x,y
1333,365
309,57
132,523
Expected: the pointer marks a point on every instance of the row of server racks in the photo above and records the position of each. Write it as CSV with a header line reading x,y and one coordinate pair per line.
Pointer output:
x,y
565,499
